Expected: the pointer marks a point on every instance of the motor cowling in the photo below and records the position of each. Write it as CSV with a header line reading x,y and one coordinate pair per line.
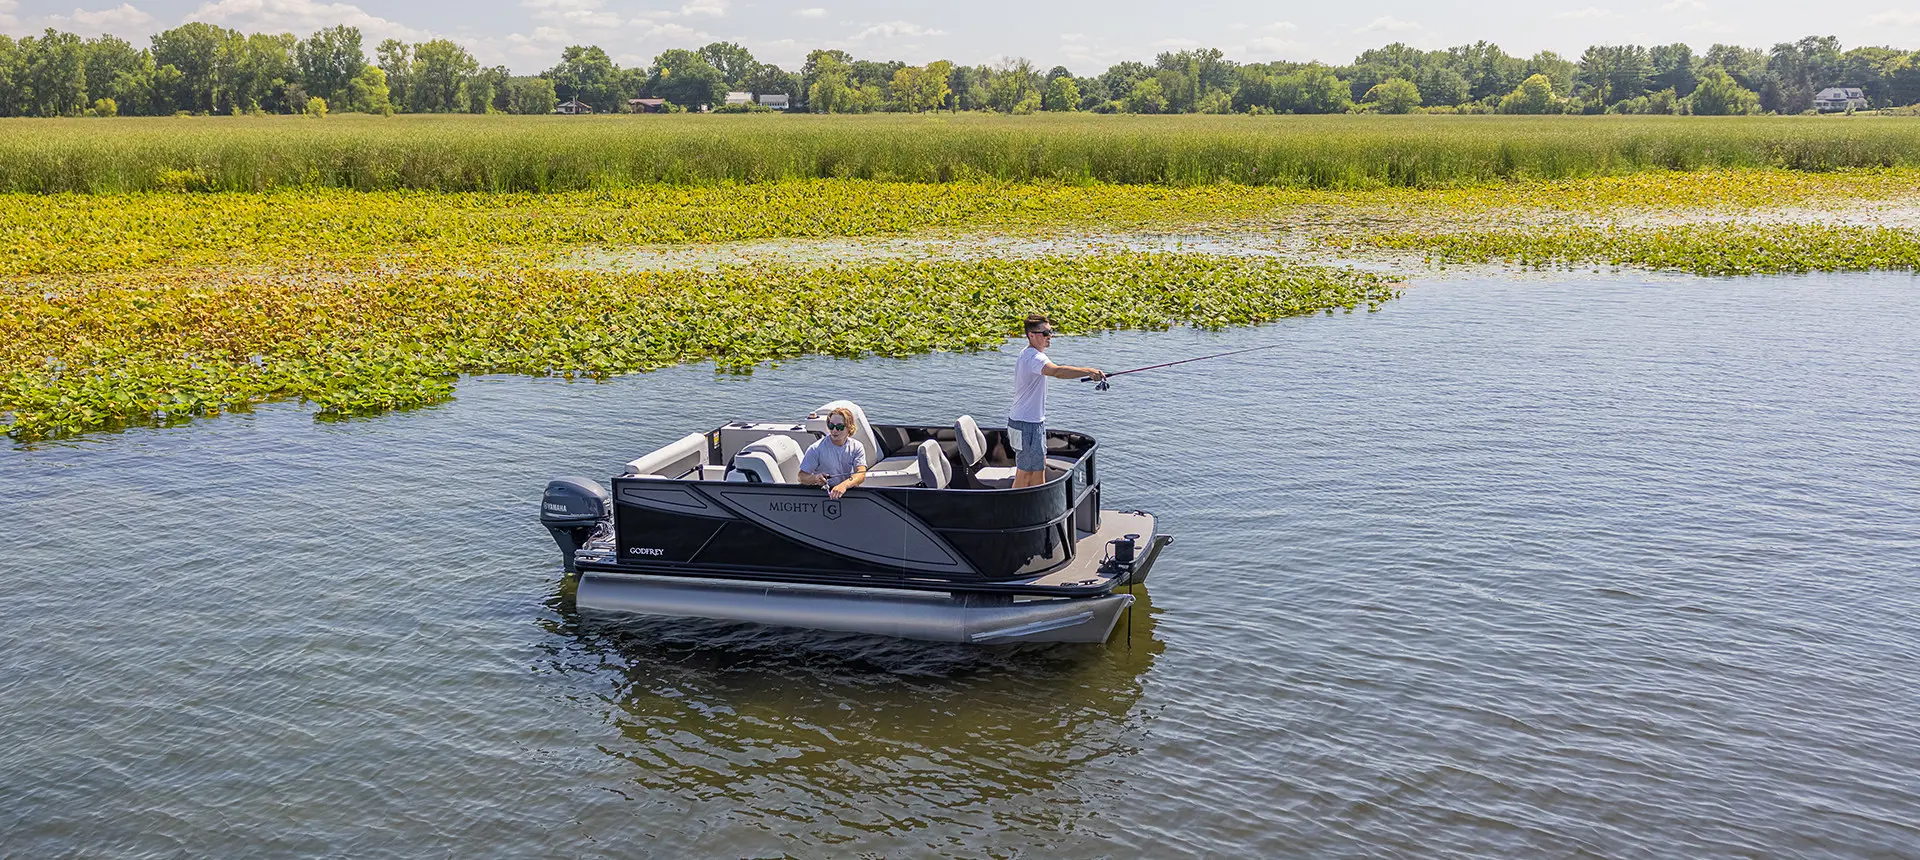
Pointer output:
x,y
571,509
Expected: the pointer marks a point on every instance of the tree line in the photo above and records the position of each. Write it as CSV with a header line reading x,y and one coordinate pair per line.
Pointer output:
x,y
200,68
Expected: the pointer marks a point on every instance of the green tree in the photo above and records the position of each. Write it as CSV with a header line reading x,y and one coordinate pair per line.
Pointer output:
x,y
1533,96
769,79
684,78
104,108
396,59
195,50
107,58
1394,95
586,73
1062,95
1146,97
531,96
316,107
330,60
1903,81
1673,68
1012,83
368,92
441,70
1718,94
917,89
1558,70
54,82
736,64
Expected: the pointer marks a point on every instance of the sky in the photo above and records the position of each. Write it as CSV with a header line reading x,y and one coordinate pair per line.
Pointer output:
x,y
1086,37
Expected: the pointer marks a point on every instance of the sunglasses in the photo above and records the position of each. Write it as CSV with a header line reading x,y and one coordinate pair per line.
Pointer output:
x,y
1047,333
832,425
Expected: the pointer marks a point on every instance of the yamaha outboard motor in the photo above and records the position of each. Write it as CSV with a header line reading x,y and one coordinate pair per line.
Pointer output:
x,y
571,509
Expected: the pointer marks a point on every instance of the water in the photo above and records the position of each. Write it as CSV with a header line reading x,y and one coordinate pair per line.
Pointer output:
x,y
1521,565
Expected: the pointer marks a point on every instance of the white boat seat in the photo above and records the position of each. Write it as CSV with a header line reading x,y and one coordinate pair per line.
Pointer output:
x,y
754,467
674,460
901,471
785,452
971,444
935,472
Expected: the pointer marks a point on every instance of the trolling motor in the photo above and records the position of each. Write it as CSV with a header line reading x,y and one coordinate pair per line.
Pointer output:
x,y
572,509
1120,553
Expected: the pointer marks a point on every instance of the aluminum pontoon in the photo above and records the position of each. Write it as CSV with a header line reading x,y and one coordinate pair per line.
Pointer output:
x,y
934,545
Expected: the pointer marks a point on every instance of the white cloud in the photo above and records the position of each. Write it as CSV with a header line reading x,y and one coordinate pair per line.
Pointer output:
x,y
814,12
1175,44
1708,28
1591,13
1895,18
716,8
8,20
1388,24
301,17
894,30
1682,5
123,20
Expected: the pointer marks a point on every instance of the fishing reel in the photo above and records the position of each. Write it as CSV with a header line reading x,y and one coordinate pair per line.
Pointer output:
x,y
1102,385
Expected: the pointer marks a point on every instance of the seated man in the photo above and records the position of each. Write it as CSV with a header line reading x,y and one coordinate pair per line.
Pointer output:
x,y
837,462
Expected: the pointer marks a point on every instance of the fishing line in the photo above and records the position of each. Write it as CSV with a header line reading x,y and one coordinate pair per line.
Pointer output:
x,y
1104,386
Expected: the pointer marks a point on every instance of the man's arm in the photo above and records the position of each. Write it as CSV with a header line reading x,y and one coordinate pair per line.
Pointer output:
x,y
812,480
1067,371
859,476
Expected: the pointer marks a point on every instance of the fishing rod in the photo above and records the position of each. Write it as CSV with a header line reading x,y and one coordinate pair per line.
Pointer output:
x,y
1104,386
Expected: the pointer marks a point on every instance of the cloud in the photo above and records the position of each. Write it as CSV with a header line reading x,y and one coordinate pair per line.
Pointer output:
x,y
716,8
1176,44
1591,13
301,16
1275,40
123,20
1682,6
814,12
894,30
8,20
1388,24
1895,18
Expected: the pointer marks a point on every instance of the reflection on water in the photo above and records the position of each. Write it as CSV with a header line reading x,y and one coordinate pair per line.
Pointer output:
x,y
846,730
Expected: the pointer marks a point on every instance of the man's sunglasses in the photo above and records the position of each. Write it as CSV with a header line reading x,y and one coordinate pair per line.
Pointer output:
x,y
1047,333
831,425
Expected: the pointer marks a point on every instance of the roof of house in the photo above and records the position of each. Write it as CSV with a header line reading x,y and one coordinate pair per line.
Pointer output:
x,y
1841,93
646,101
773,99
739,97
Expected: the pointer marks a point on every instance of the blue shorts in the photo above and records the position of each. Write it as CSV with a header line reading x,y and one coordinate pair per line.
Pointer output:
x,y
1032,456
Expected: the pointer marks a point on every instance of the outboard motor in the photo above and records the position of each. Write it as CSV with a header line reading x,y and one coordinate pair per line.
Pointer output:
x,y
571,509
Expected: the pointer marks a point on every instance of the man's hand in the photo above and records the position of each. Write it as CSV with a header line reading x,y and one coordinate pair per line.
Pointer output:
x,y
836,492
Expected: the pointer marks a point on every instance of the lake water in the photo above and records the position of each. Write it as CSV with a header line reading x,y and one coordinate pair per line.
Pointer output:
x,y
1520,565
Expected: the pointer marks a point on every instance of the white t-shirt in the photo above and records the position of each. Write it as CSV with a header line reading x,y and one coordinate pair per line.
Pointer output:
x,y
1030,386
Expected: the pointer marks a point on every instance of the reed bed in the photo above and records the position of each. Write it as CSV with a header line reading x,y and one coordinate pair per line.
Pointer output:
x,y
545,154
1700,249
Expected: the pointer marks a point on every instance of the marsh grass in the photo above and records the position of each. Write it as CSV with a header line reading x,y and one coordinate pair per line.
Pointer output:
x,y
543,154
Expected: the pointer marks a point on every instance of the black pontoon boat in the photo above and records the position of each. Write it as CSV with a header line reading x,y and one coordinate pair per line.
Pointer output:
x,y
934,545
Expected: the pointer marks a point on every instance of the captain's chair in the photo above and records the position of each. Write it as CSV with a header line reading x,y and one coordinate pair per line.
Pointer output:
x,y
971,445
784,452
882,471
935,472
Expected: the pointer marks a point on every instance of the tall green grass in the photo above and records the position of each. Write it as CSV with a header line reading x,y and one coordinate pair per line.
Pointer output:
x,y
467,153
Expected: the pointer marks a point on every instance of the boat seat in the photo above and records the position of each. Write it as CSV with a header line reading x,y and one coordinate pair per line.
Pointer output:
x,y
901,471
971,445
755,467
674,460
785,452
935,472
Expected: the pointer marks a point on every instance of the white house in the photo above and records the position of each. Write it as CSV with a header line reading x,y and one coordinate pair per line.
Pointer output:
x,y
777,101
1840,98
742,99
573,106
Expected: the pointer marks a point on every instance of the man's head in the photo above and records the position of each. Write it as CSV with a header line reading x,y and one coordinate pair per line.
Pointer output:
x,y
840,425
1039,331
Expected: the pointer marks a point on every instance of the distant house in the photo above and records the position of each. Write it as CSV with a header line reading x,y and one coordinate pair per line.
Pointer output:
x,y
739,99
572,107
777,101
646,105
1834,99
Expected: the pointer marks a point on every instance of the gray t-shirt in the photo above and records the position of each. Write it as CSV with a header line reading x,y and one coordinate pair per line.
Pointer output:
x,y
837,462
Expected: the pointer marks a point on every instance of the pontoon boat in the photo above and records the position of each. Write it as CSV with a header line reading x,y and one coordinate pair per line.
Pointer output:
x,y
934,545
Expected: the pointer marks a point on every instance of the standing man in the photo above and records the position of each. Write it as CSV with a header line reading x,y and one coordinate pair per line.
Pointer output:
x,y
1027,421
